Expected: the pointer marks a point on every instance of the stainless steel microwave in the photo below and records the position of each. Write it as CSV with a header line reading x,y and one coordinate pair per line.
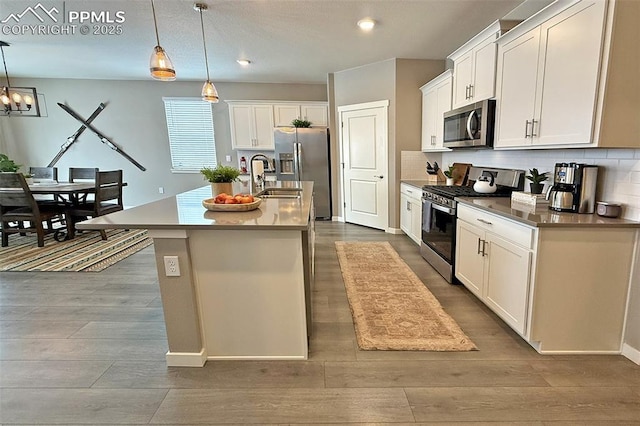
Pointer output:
x,y
470,126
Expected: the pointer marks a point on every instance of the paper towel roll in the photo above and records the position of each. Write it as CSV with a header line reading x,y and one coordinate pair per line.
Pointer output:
x,y
257,168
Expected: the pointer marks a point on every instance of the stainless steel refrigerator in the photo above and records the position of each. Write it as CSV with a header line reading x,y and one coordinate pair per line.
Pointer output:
x,y
302,154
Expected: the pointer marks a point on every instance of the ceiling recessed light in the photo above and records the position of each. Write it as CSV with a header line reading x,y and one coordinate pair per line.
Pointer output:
x,y
243,62
366,24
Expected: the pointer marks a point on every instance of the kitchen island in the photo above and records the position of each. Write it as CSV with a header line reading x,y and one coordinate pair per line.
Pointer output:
x,y
234,285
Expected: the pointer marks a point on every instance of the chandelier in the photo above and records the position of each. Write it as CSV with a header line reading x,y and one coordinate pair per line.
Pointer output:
x,y
22,101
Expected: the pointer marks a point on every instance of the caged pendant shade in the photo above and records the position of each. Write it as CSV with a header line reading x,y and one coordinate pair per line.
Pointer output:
x,y
209,92
160,64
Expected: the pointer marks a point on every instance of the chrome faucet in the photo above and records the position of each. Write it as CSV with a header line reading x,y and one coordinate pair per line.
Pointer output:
x,y
257,180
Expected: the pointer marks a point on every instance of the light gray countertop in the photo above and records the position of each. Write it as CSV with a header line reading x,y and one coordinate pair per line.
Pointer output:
x,y
418,183
185,211
540,216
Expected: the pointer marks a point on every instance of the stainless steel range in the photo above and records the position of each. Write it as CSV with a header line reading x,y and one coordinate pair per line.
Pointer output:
x,y
439,213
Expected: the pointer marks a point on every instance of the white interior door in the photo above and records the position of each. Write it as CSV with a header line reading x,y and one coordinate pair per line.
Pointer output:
x,y
364,154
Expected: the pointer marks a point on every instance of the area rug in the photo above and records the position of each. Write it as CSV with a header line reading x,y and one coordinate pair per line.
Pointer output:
x,y
391,307
87,252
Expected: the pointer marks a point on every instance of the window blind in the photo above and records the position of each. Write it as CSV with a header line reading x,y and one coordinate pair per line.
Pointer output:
x,y
191,135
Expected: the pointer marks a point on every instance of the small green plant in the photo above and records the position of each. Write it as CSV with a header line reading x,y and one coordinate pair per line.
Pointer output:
x,y
220,174
536,177
450,172
7,164
300,123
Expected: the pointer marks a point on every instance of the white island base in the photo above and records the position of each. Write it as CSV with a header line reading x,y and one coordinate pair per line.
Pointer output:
x,y
247,290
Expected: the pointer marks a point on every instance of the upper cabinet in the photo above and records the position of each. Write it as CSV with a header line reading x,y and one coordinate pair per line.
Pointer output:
x,y
568,77
251,126
474,66
316,113
436,100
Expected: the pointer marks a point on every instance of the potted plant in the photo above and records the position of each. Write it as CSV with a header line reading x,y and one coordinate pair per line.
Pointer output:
x,y
536,179
221,178
450,174
8,165
300,123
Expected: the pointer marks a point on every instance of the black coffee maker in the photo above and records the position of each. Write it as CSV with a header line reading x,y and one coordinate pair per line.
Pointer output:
x,y
574,188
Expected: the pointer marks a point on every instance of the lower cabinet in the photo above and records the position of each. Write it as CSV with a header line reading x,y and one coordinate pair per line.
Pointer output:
x,y
496,270
411,211
562,286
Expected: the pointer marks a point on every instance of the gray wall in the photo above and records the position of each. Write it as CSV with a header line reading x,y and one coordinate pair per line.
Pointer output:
x,y
134,119
398,81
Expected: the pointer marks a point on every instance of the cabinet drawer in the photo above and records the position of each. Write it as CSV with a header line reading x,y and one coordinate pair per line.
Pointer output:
x,y
411,191
505,228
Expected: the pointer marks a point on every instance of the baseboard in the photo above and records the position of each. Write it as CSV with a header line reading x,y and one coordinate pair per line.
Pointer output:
x,y
395,231
337,219
186,359
632,353
259,357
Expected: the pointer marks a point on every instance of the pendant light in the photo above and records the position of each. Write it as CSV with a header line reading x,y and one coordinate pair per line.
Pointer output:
x,y
209,92
160,65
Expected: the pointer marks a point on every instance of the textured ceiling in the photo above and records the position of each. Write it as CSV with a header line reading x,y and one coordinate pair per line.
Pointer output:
x,y
286,40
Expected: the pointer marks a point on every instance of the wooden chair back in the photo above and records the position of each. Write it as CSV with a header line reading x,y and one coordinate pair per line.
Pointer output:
x,y
108,189
15,192
44,173
82,173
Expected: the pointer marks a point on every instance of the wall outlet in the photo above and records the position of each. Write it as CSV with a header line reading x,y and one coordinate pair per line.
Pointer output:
x,y
171,266
160,190
228,158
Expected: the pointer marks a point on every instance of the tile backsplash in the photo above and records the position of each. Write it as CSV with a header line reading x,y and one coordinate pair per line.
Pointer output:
x,y
618,172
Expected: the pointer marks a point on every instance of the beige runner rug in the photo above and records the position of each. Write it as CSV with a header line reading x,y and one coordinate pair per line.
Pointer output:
x,y
87,252
391,307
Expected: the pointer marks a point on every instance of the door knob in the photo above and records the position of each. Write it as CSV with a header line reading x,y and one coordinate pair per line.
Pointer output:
x,y
379,177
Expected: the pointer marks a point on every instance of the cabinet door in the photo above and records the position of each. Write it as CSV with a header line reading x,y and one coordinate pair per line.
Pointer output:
x,y
507,281
568,75
516,89
241,121
443,105
462,74
469,260
416,220
429,114
484,70
405,214
284,114
263,127
316,114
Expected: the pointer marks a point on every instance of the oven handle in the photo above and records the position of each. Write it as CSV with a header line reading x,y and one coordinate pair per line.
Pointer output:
x,y
444,209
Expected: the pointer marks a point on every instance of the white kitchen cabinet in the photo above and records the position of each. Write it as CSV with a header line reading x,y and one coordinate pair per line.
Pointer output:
x,y
561,285
495,269
411,211
474,66
251,126
436,100
548,79
316,113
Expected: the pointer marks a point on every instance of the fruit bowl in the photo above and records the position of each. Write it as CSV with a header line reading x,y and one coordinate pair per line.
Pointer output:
x,y
210,205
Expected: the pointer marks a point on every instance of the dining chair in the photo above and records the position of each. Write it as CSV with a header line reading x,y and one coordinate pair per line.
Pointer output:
x,y
83,174
44,173
17,205
108,199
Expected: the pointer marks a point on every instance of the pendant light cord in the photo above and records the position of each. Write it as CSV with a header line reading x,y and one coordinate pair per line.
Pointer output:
x,y
155,23
204,44
4,62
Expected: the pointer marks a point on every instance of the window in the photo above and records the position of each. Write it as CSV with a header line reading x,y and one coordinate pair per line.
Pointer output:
x,y
191,136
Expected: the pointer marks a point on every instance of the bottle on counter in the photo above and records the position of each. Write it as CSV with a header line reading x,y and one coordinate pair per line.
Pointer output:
x,y
243,165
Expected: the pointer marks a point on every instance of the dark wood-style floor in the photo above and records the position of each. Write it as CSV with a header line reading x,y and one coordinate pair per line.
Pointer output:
x,y
89,348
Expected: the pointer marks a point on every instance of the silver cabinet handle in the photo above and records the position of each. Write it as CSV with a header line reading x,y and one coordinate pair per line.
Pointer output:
x,y
486,222
408,206
533,126
409,191
479,240
526,128
379,177
484,249
466,92
471,91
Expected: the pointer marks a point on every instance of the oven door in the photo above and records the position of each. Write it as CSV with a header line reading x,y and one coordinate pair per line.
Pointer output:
x,y
438,229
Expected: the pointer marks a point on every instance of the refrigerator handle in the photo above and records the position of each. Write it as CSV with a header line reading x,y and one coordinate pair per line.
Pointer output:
x,y
296,160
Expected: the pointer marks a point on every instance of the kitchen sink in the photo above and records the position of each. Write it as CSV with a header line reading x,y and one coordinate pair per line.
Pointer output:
x,y
280,193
